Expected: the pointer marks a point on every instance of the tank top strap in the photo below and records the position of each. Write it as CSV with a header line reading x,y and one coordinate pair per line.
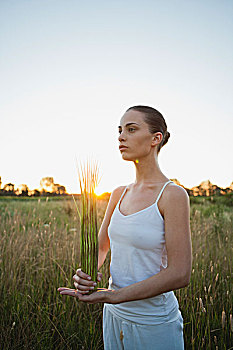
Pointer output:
x,y
160,193
122,194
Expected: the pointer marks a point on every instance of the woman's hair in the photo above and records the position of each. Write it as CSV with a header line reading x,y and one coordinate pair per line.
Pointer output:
x,y
155,121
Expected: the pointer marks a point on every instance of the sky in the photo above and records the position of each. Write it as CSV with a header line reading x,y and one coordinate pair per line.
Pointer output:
x,y
70,69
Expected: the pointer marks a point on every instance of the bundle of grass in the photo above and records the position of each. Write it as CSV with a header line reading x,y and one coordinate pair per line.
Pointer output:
x,y
88,174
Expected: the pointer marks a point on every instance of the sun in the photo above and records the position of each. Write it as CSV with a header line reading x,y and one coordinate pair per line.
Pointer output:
x,y
98,192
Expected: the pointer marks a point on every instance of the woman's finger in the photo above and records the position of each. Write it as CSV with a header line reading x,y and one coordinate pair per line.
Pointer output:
x,y
82,282
80,291
83,288
83,275
65,289
71,292
83,291
99,276
62,289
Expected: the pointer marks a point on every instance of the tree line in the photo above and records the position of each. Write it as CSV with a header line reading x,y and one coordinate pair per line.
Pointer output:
x,y
49,188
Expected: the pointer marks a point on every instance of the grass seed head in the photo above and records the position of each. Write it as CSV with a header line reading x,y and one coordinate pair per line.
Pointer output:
x,y
231,322
223,318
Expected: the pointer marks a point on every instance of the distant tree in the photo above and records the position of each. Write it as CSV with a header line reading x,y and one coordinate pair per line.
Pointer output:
x,y
22,190
9,189
47,184
58,189
35,193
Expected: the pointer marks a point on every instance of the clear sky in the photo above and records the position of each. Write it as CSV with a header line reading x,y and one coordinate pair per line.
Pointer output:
x,y
70,69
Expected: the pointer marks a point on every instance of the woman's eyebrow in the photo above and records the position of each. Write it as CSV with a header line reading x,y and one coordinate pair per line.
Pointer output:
x,y
127,124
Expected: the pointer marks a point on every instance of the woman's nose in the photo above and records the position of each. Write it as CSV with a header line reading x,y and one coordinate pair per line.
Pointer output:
x,y
121,137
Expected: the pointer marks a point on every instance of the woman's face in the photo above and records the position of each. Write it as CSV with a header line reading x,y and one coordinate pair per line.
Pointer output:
x,y
135,135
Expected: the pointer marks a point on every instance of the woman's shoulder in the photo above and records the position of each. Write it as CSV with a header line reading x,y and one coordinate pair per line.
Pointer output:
x,y
117,192
174,196
175,192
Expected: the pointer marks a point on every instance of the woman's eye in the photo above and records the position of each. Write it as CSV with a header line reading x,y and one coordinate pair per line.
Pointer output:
x,y
129,129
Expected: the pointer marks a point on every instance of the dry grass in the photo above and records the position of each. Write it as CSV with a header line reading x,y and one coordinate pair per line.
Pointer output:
x,y
40,252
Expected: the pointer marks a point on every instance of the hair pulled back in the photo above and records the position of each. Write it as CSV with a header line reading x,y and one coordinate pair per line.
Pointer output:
x,y
155,121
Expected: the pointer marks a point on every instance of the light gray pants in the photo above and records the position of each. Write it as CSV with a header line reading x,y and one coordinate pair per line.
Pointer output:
x,y
119,334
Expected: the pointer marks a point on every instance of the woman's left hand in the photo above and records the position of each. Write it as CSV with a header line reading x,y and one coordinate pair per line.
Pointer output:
x,y
102,295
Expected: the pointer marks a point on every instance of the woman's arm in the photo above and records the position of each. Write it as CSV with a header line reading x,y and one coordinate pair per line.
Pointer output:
x,y
179,252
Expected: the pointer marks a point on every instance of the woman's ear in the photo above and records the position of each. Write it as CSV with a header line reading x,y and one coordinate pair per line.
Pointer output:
x,y
157,138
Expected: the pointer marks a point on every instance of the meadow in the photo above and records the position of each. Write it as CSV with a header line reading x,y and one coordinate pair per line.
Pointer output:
x,y
39,245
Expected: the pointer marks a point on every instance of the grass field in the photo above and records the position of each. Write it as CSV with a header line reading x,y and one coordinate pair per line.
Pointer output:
x,y
39,244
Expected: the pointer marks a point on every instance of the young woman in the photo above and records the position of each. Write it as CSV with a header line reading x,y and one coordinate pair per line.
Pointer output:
x,y
147,227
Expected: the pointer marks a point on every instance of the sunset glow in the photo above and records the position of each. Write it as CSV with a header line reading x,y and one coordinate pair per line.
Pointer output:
x,y
64,88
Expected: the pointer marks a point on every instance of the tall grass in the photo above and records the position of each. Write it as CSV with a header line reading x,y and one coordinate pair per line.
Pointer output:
x,y
39,251
88,180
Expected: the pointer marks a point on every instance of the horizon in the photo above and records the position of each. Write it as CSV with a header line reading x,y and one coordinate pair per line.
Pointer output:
x,y
101,193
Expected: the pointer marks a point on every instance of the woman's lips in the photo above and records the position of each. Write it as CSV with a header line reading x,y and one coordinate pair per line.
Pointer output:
x,y
122,148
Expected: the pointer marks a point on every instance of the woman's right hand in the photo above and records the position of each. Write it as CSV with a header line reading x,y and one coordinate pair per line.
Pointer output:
x,y
83,282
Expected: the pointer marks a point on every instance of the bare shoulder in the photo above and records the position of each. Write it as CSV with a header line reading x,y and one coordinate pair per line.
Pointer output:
x,y
176,192
175,196
114,198
116,193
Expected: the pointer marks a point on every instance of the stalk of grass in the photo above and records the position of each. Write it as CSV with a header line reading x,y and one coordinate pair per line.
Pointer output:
x,y
88,174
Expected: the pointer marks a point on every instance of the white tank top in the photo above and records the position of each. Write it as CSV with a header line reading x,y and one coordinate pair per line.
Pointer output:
x,y
137,243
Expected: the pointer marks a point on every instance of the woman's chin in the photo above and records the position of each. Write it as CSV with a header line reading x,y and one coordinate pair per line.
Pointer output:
x,y
127,157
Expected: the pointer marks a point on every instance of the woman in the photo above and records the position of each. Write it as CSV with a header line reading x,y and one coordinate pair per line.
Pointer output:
x,y
147,227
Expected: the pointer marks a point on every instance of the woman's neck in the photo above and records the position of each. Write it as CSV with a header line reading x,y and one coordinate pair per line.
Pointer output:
x,y
148,171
